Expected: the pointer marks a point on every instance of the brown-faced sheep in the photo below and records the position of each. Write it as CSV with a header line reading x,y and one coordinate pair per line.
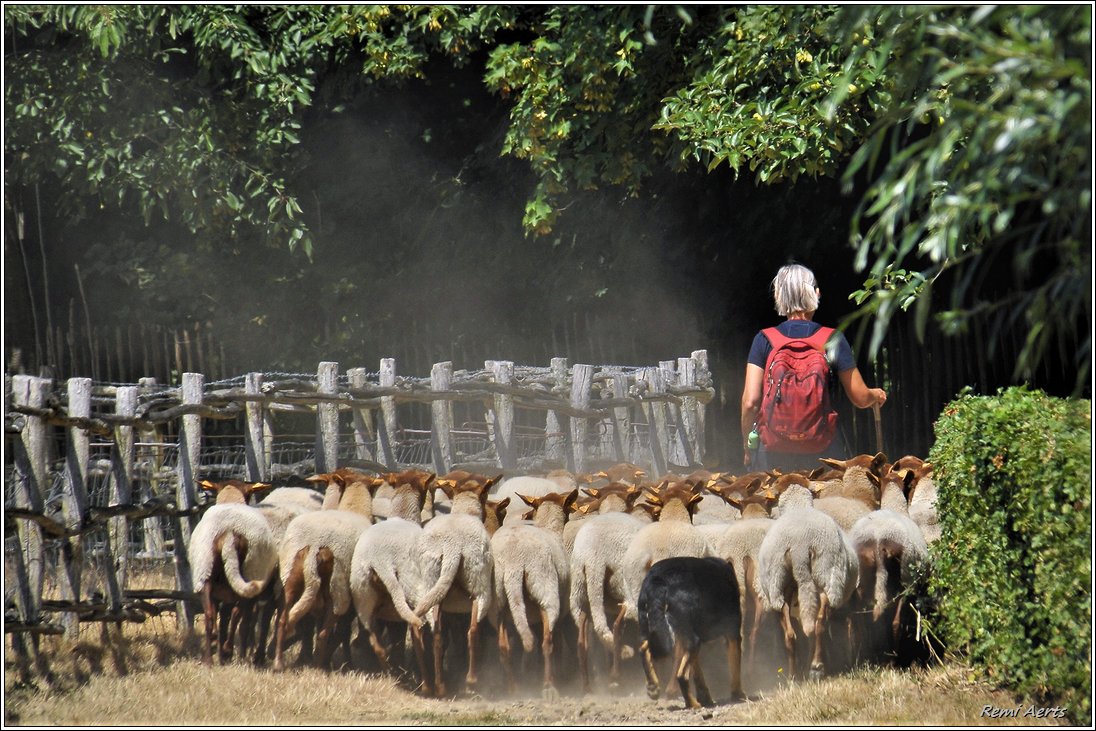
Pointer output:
x,y
456,564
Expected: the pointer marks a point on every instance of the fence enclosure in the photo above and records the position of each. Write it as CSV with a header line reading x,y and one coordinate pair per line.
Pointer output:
x,y
101,479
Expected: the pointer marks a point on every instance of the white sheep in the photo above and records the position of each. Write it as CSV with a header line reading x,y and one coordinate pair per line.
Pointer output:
x,y
597,583
456,565
859,478
739,544
279,507
890,547
806,555
385,578
530,564
922,497
315,557
232,540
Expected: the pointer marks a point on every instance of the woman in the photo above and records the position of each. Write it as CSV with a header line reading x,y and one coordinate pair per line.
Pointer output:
x,y
796,296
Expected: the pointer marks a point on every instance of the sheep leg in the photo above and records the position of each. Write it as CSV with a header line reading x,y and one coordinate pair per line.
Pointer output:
x,y
267,611
818,664
789,638
649,670
418,645
896,627
228,621
734,663
760,617
439,650
210,612
292,590
546,648
325,644
583,622
505,655
379,649
618,641
471,680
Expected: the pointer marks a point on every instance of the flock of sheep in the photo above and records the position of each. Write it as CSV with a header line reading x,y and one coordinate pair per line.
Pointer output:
x,y
407,557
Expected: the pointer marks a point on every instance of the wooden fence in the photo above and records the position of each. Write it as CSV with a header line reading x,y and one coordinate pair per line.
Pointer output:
x,y
100,480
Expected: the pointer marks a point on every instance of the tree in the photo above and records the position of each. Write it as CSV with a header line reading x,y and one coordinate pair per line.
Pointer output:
x,y
965,129
968,126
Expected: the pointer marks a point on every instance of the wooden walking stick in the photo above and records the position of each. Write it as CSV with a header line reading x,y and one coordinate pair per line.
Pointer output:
x,y
878,428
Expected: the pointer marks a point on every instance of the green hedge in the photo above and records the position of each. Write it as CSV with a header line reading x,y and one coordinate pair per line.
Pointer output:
x,y
1012,569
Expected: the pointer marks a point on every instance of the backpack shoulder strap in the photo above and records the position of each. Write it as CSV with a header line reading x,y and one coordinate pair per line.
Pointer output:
x,y
776,338
820,338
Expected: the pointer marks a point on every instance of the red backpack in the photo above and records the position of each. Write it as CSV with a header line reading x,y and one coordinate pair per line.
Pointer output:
x,y
796,414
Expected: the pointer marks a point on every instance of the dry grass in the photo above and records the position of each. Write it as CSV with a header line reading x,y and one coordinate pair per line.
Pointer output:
x,y
152,677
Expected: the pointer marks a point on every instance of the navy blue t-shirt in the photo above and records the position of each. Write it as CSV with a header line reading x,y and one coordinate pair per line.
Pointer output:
x,y
839,350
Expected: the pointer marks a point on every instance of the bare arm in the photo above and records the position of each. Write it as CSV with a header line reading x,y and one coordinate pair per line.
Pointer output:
x,y
858,392
751,403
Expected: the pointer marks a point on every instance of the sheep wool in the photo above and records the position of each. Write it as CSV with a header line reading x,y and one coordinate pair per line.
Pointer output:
x,y
807,548
233,521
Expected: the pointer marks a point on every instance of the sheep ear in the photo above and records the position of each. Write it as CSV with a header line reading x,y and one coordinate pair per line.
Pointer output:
x,y
502,504
602,474
909,481
530,501
569,501
592,492
817,472
874,478
877,462
734,503
257,487
207,485
491,482
834,463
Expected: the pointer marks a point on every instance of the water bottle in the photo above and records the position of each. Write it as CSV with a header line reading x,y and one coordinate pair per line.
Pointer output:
x,y
753,440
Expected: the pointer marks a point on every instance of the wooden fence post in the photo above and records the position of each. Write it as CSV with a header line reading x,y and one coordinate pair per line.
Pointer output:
x,y
441,422
364,437
656,420
674,453
121,491
557,442
74,500
502,414
701,358
386,429
582,377
256,453
327,419
31,488
620,416
190,449
152,528
686,425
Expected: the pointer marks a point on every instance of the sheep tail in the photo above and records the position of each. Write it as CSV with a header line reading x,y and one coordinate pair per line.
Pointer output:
x,y
595,591
514,583
450,562
802,559
230,557
396,593
311,573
